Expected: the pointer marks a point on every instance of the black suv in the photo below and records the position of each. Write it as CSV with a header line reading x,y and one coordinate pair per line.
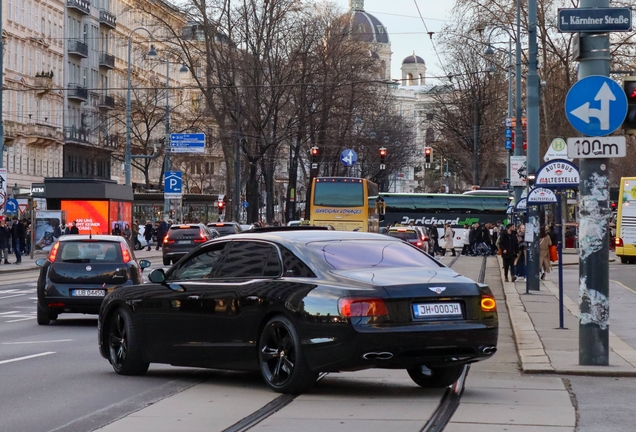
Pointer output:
x,y
181,239
226,228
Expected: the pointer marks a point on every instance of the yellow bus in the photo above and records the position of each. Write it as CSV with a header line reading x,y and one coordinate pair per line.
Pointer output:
x,y
345,203
625,240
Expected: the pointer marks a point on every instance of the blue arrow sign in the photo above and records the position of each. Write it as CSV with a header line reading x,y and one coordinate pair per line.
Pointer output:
x,y
596,106
173,182
11,208
348,157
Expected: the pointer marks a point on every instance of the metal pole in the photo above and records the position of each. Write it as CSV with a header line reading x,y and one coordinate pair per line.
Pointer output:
x,y
533,144
166,161
593,221
518,128
475,147
509,113
559,194
1,86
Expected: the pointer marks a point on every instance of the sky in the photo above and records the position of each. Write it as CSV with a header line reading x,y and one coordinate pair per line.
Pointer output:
x,y
408,31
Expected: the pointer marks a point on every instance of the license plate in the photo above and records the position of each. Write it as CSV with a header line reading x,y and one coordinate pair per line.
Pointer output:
x,y
88,293
427,310
184,242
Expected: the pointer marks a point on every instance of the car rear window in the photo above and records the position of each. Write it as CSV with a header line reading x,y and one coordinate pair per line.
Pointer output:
x,y
404,235
361,254
183,232
226,230
89,252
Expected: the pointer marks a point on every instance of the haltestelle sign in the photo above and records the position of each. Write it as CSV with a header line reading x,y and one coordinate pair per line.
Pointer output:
x,y
541,195
557,173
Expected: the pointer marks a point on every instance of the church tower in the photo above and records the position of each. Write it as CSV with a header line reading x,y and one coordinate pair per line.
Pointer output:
x,y
413,71
367,28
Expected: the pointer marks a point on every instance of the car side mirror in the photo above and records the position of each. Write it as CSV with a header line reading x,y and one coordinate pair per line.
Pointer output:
x,y
157,276
40,262
144,264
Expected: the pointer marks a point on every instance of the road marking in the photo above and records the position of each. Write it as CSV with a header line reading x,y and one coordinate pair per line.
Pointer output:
x,y
21,319
10,312
36,342
15,295
26,357
623,285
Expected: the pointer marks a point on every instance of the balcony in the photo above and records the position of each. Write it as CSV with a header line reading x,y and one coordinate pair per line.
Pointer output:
x,y
106,60
81,6
111,142
77,92
73,135
106,102
78,48
107,19
43,83
42,135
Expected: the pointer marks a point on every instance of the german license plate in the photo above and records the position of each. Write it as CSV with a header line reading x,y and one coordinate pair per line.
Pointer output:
x,y
426,310
88,293
184,242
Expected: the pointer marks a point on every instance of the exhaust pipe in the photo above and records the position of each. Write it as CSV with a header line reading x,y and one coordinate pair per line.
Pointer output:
x,y
377,356
489,350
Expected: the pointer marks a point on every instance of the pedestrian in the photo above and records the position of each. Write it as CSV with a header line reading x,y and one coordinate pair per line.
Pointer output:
x,y
127,233
5,240
509,249
435,237
162,231
135,232
553,234
449,240
148,231
116,230
18,235
26,243
466,240
545,265
74,229
520,261
472,234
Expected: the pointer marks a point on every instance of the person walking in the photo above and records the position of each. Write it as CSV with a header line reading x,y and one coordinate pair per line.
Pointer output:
x,y
5,240
449,235
18,234
472,234
148,231
521,260
127,233
509,249
162,232
545,265
435,237
466,240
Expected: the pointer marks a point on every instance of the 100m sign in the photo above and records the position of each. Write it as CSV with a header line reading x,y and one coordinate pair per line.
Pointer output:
x,y
596,147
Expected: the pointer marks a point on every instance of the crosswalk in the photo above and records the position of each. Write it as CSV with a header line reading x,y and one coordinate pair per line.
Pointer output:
x,y
17,316
13,314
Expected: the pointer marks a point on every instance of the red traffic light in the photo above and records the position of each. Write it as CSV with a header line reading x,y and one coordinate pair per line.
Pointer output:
x,y
427,150
314,151
382,152
221,205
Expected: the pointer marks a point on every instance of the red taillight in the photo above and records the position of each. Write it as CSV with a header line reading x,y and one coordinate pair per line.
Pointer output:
x,y
53,253
201,238
488,304
358,307
55,304
125,254
424,238
418,244
618,242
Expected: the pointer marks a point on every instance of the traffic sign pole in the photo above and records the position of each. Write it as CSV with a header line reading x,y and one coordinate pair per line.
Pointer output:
x,y
593,219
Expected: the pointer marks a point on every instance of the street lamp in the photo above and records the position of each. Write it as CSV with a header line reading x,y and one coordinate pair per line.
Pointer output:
x,y
151,53
15,191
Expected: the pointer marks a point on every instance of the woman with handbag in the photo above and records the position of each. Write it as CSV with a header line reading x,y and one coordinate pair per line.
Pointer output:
x,y
520,260
545,265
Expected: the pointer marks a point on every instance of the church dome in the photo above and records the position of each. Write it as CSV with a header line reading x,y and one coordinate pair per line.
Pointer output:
x,y
364,26
413,59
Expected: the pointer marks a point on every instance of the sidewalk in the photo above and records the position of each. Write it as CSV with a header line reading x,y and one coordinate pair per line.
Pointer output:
x,y
542,346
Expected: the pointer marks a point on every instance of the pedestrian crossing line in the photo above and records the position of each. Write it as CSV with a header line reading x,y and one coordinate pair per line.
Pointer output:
x,y
10,312
36,342
21,319
11,296
26,357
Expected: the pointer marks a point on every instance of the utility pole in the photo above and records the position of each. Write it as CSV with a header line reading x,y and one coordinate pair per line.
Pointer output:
x,y
518,110
594,198
1,102
533,162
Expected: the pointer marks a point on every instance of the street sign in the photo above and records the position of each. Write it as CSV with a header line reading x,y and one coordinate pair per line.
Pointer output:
x,y
522,205
596,105
348,157
557,150
594,20
541,195
11,208
597,147
518,172
508,144
558,173
187,143
173,184
512,122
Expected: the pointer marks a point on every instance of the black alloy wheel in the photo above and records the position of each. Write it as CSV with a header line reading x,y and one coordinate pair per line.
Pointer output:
x,y
124,345
435,377
283,364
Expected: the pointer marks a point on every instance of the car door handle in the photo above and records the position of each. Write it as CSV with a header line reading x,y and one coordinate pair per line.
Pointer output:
x,y
194,297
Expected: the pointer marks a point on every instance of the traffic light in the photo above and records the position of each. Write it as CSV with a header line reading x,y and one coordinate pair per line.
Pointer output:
x,y
221,206
629,86
428,154
314,153
382,156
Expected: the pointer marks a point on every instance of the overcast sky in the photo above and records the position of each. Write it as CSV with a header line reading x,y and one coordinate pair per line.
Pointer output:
x,y
408,31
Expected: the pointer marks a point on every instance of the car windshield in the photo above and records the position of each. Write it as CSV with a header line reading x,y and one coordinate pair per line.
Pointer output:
x,y
226,230
89,252
361,254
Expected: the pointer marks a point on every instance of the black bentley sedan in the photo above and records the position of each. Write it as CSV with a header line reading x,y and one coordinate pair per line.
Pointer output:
x,y
293,304
80,271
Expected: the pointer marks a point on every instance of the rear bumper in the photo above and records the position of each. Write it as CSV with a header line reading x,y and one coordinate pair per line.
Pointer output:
x,y
58,299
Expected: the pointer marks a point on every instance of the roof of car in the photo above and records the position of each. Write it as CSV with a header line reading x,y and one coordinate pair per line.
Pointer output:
x,y
80,237
307,236
404,228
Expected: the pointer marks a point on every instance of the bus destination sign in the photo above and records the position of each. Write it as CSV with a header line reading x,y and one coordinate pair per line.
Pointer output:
x,y
594,20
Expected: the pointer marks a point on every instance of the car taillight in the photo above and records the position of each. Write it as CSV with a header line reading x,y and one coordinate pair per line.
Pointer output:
x,y
202,238
168,241
53,253
424,238
358,307
488,304
125,254
618,242
418,244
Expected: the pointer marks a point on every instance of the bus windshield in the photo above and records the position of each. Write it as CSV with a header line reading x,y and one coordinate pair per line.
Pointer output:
x,y
339,194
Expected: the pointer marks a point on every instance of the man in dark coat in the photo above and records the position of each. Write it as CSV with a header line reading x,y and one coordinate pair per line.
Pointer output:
x,y
509,249
435,237
74,229
162,231
18,233
148,232
5,239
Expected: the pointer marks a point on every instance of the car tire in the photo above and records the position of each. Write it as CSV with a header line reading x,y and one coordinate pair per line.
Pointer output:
x,y
437,378
282,361
124,346
43,317
623,260
166,261
138,245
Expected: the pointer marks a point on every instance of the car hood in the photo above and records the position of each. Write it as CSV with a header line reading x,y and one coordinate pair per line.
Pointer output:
x,y
400,282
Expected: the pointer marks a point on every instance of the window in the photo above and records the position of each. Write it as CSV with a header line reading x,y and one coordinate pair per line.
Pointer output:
x,y
249,260
200,266
9,8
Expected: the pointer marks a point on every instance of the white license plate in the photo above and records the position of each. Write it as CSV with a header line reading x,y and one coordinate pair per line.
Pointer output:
x,y
88,293
426,310
184,242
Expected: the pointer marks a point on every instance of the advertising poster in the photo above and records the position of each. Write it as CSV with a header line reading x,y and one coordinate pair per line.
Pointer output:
x,y
628,212
518,171
91,217
120,214
47,228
